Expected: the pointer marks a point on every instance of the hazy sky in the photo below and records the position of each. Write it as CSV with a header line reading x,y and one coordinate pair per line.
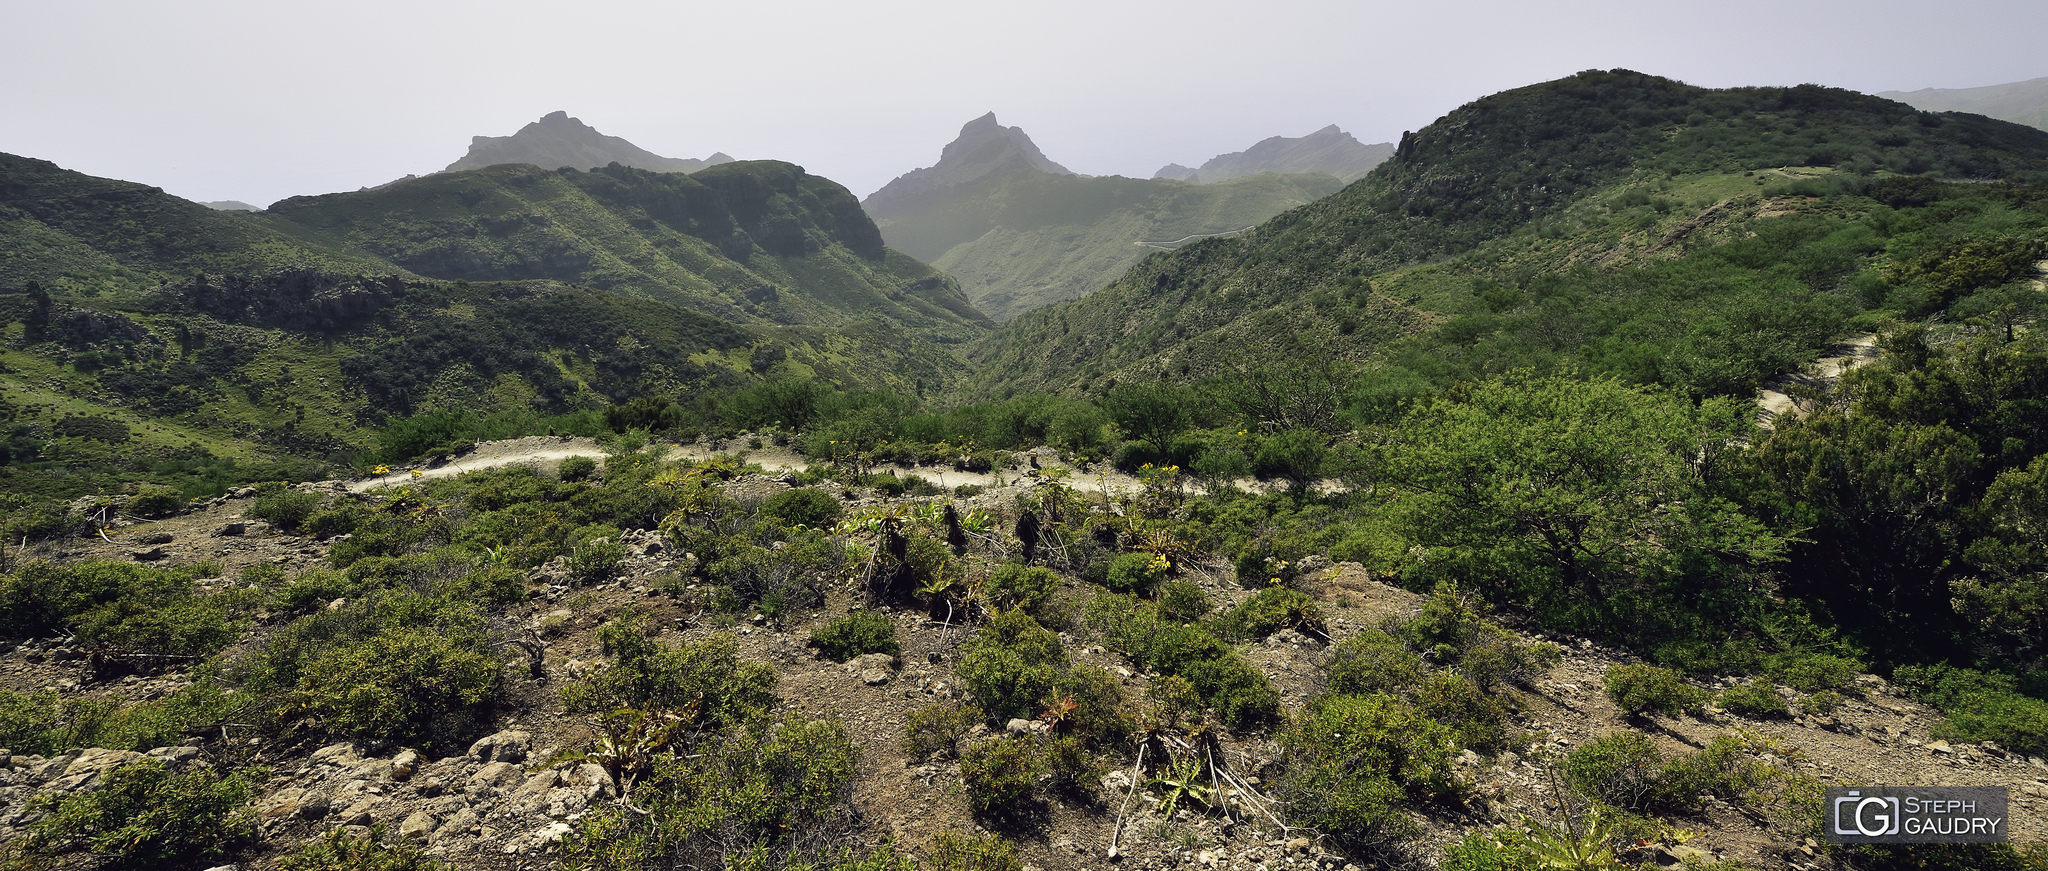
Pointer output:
x,y
259,100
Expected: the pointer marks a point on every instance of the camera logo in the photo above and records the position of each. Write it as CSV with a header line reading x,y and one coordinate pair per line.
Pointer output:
x,y
1871,816
1917,815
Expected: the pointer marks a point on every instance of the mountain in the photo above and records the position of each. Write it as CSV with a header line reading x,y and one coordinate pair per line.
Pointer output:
x,y
1525,199
2019,102
232,206
202,339
1327,150
1020,231
557,140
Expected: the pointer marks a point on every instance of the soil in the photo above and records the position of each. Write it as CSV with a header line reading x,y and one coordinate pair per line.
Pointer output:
x,y
1877,737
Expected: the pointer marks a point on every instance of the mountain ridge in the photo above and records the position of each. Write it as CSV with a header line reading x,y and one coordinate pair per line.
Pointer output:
x,y
2019,102
558,140
1328,150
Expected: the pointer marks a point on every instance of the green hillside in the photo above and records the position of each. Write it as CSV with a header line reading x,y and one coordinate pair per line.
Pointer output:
x,y
2019,102
1593,188
751,241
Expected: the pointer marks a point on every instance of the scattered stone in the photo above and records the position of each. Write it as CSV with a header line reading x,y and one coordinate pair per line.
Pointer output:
x,y
420,825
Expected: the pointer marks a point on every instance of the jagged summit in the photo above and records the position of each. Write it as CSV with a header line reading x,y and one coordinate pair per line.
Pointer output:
x,y
557,140
1327,150
984,147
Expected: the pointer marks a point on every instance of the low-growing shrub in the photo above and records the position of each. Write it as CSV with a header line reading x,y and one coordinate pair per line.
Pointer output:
x,y
577,468
286,509
1018,586
1136,572
803,506
596,560
341,850
155,500
1812,672
1823,703
1648,689
1478,719
855,634
1622,769
1373,662
938,728
1183,602
1981,706
1269,611
143,816
411,685
647,674
1757,700
1013,666
1352,760
1227,681
1001,773
953,852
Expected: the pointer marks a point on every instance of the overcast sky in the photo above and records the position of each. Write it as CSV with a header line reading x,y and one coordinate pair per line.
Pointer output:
x,y
263,99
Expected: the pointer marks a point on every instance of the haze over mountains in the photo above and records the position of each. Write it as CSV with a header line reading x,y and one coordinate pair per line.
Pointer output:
x,y
1020,231
2019,102
1327,150
557,140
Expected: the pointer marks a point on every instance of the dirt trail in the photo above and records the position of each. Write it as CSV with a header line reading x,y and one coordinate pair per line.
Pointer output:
x,y
550,451
1774,400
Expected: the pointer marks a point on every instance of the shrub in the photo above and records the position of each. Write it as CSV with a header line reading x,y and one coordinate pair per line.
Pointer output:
x,y
596,559
647,674
286,509
951,852
803,506
1812,672
1350,760
1720,769
1648,689
767,789
577,468
1136,572
1373,662
1823,703
2015,721
400,685
1017,586
938,728
1001,773
1622,769
1757,700
340,850
1237,690
144,816
1269,611
855,634
1478,719
1183,602
155,500
1013,666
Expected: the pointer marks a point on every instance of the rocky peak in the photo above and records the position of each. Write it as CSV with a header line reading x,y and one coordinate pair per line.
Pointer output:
x,y
984,147
558,140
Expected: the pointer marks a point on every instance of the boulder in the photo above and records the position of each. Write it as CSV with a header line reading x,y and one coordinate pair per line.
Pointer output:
x,y
419,826
511,745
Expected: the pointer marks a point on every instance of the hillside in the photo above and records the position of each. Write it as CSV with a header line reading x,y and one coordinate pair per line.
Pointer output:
x,y
1327,150
2019,102
1507,207
758,242
557,140
1020,232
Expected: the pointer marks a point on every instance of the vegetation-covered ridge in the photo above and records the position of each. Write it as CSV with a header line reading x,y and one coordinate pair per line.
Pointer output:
x,y
1505,192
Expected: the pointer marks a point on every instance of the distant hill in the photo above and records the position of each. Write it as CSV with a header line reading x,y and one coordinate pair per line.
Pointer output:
x,y
232,206
1327,150
1020,231
2019,102
557,140
1505,217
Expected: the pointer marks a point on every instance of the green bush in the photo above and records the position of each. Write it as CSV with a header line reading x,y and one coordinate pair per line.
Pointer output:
x,y
1350,762
1721,769
286,509
1477,718
154,500
803,506
1183,602
1648,689
1136,573
1373,662
1012,666
2014,721
402,685
596,560
1227,681
938,728
1622,769
1812,672
855,634
1018,586
952,852
144,816
740,797
1001,773
1823,703
577,468
1271,610
124,605
1757,700
647,674
340,850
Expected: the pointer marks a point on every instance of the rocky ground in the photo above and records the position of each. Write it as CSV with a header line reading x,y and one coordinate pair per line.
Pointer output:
x,y
511,797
